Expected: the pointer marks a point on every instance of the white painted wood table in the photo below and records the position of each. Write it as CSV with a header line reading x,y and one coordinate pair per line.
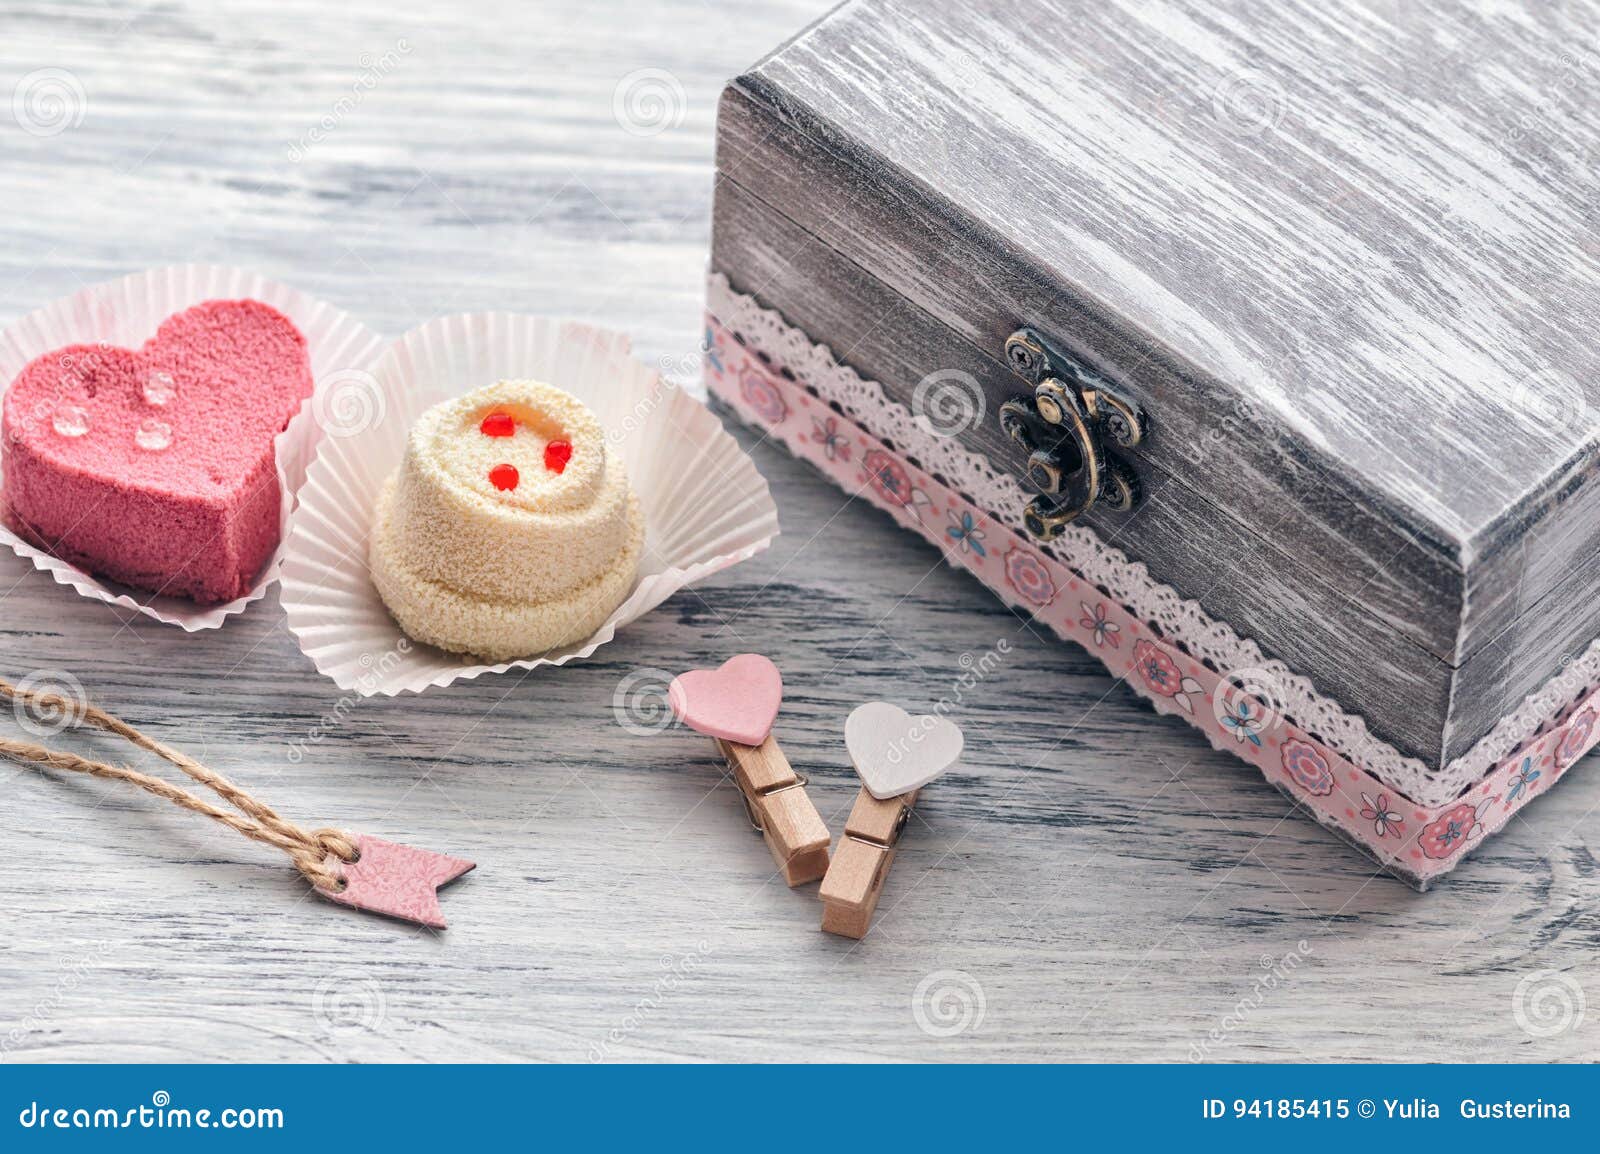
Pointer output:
x,y
1093,883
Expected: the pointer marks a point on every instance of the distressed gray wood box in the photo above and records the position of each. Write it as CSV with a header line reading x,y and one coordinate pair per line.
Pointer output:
x,y
1345,256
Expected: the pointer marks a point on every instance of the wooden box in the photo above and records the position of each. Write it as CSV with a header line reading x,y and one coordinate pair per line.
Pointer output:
x,y
1294,307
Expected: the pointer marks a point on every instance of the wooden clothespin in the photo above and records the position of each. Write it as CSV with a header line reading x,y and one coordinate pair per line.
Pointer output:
x,y
895,755
737,704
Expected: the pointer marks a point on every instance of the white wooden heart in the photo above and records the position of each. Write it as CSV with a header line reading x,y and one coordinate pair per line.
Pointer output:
x,y
895,752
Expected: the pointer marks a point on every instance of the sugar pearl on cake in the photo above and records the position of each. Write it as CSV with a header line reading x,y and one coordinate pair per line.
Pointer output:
x,y
504,477
70,420
153,435
159,389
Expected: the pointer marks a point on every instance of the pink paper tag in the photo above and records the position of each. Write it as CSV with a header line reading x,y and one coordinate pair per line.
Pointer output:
x,y
397,881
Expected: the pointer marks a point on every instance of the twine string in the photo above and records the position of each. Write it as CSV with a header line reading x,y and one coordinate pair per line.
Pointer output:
x,y
309,850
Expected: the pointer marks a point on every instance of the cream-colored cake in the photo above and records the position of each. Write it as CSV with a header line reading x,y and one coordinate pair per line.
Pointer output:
x,y
491,540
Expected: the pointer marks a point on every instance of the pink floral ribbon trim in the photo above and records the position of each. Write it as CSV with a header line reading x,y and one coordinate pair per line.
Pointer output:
x,y
1420,841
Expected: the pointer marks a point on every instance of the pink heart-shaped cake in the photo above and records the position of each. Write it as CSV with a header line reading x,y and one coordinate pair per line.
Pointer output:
x,y
155,467
738,701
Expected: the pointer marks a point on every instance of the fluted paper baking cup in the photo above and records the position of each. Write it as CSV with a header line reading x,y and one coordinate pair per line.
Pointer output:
x,y
705,505
126,313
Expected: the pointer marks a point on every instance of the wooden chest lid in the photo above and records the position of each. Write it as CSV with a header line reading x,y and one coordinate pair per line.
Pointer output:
x,y
1347,254
1380,223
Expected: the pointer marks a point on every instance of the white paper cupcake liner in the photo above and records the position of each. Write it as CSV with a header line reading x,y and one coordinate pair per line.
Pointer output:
x,y
705,505
126,313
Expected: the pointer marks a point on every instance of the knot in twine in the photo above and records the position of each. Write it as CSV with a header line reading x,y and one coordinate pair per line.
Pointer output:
x,y
317,854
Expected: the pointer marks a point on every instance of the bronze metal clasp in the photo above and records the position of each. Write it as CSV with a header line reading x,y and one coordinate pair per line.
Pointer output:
x,y
1065,428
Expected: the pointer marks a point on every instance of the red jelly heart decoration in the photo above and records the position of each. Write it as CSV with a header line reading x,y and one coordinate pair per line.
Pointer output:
x,y
498,424
556,455
504,477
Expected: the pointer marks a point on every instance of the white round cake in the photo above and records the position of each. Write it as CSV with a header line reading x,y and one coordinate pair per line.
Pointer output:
x,y
509,528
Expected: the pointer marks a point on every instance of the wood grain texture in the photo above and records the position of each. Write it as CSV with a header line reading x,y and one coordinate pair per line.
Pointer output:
x,y
1099,880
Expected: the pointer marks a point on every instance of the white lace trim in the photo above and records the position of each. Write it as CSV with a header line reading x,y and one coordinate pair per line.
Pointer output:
x,y
1002,498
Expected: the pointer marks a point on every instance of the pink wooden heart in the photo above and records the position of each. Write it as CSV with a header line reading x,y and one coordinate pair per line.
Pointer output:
x,y
156,467
737,701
